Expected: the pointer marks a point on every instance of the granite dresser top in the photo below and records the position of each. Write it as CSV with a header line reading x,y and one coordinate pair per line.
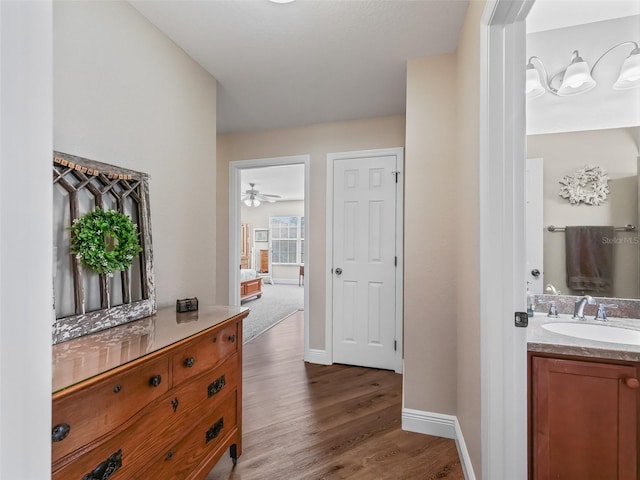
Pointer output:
x,y
84,357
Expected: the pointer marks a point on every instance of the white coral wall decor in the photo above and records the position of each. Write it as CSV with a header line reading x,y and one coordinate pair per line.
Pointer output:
x,y
588,185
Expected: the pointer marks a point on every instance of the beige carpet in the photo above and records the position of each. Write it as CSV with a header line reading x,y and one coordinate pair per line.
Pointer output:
x,y
277,302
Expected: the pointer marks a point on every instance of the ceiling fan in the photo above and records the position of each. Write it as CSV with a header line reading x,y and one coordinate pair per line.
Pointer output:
x,y
253,198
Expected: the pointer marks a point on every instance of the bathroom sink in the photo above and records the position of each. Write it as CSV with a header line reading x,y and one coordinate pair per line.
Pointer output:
x,y
600,333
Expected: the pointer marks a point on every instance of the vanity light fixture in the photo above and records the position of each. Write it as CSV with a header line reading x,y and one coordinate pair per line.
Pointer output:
x,y
577,78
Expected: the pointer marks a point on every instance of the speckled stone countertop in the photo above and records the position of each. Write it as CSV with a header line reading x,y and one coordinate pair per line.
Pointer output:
x,y
84,357
541,340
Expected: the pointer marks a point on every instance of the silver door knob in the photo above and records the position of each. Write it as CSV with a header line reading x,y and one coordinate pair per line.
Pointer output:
x,y
338,271
535,272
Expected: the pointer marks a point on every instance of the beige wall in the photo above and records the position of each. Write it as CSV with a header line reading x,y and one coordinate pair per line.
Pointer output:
x,y
316,141
442,308
468,234
259,218
614,150
430,243
126,95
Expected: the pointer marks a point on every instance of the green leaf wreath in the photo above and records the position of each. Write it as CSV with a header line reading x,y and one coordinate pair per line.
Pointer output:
x,y
105,241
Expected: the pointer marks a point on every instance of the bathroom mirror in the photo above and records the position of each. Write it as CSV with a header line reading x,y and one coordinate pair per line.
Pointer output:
x,y
617,152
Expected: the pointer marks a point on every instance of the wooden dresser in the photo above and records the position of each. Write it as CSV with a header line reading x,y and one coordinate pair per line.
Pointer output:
x,y
158,398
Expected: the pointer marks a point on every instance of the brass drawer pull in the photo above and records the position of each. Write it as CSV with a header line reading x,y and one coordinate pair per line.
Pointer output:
x,y
216,386
117,388
155,381
232,338
214,431
60,432
189,362
106,468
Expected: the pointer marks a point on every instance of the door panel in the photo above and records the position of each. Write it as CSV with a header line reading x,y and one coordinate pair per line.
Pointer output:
x,y
534,225
364,249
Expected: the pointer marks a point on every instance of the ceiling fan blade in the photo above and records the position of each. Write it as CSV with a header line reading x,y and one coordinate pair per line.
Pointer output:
x,y
272,196
265,198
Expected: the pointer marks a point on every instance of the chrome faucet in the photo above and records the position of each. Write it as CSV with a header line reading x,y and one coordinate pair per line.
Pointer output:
x,y
601,314
578,311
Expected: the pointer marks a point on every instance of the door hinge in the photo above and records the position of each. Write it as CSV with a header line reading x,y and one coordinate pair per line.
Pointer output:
x,y
396,175
395,345
395,261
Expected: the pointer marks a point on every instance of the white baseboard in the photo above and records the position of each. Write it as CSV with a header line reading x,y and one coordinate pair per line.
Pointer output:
x,y
439,425
465,459
428,423
314,355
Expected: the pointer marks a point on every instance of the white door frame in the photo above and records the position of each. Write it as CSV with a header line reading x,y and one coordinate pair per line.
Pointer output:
x,y
502,234
331,157
235,169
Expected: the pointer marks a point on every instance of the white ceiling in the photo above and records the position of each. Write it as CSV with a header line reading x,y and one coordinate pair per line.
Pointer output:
x,y
553,14
314,61
286,181
310,61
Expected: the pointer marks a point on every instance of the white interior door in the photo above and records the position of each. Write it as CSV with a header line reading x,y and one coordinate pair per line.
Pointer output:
x,y
534,225
364,261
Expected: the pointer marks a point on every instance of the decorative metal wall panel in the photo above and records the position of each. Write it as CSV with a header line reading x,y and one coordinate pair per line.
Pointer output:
x,y
85,301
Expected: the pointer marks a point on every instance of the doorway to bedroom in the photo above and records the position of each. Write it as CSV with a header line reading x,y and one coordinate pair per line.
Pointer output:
x,y
268,217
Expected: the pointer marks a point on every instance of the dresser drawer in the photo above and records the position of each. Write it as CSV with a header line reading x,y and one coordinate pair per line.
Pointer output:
x,y
185,457
205,352
205,391
87,414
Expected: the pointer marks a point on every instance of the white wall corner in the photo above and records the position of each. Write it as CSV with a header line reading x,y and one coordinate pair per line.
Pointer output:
x,y
465,459
428,423
320,357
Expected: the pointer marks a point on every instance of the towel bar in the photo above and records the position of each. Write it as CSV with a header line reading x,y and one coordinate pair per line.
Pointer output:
x,y
626,228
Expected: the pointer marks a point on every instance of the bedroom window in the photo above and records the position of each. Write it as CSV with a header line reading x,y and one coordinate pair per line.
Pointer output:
x,y
287,240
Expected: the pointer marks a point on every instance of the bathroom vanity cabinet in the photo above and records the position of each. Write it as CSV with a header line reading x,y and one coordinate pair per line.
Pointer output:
x,y
583,418
156,398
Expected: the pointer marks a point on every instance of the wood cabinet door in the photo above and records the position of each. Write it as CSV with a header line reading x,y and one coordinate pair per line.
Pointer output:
x,y
264,260
584,420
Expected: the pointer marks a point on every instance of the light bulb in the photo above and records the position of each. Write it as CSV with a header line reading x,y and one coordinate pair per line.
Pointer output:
x,y
577,78
630,72
533,86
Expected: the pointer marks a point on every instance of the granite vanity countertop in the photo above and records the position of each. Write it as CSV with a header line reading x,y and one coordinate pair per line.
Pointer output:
x,y
541,340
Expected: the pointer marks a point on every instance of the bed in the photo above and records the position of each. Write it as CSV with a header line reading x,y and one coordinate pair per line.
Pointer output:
x,y
250,284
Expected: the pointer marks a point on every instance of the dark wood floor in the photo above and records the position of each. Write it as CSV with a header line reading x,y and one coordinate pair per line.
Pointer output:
x,y
308,422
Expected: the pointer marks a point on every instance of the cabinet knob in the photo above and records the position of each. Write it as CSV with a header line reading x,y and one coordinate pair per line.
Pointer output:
x,y
632,383
60,432
232,338
155,380
189,362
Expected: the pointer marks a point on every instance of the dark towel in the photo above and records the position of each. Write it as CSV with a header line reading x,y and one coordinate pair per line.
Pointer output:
x,y
589,258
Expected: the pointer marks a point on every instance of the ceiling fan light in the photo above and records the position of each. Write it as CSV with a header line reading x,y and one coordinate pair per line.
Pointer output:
x,y
577,78
247,202
533,85
630,72
256,202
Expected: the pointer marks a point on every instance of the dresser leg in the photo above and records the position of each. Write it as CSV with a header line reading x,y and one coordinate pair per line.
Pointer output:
x,y
233,452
